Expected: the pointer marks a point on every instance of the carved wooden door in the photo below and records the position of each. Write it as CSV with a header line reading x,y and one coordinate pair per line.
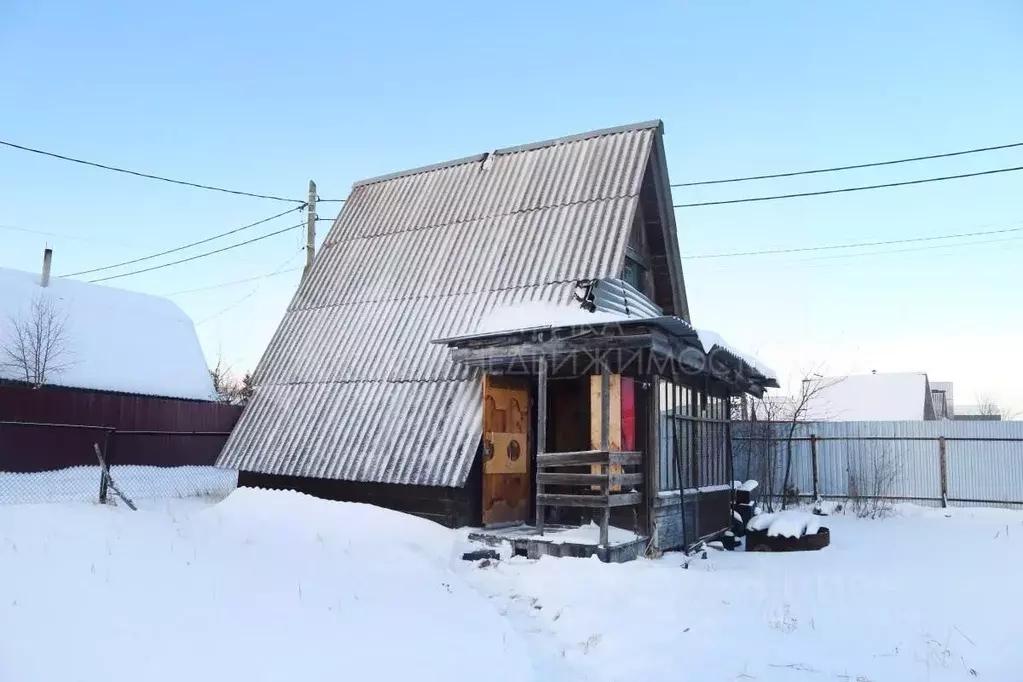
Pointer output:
x,y
506,469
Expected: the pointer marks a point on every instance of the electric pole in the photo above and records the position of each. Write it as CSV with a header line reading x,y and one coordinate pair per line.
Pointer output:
x,y
310,228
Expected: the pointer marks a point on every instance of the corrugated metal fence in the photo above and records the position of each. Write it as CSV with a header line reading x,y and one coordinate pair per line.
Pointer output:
x,y
943,462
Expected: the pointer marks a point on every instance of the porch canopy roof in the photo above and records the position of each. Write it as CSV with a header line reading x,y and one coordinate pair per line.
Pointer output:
x,y
663,345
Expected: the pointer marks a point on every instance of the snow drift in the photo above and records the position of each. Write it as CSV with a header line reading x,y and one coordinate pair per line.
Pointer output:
x,y
263,586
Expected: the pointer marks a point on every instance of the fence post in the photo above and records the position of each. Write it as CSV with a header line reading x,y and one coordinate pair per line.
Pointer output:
x,y
104,472
943,464
816,468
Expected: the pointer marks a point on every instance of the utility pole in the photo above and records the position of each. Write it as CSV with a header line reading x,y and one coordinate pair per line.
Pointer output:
x,y
310,229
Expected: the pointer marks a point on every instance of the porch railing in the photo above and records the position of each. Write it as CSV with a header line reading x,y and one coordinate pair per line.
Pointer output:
x,y
608,483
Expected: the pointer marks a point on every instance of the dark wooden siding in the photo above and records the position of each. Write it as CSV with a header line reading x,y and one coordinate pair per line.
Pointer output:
x,y
452,507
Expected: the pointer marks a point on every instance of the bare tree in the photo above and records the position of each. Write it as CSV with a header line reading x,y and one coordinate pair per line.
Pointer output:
x,y
773,425
811,387
987,406
36,345
762,428
228,388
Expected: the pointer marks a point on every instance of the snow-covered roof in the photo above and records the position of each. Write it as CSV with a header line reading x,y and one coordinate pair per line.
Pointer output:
x,y
901,396
536,314
117,340
711,340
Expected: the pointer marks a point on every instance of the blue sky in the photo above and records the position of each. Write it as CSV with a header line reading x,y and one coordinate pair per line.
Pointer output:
x,y
264,97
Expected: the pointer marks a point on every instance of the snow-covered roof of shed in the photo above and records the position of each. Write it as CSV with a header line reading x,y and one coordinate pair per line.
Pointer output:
x,y
901,396
117,340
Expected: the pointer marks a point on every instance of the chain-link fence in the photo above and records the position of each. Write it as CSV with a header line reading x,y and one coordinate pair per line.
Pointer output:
x,y
44,463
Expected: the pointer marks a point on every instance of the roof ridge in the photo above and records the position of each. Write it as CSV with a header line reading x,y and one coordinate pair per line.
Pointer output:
x,y
645,125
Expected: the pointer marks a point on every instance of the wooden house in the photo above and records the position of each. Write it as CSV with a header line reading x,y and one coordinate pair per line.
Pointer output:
x,y
505,339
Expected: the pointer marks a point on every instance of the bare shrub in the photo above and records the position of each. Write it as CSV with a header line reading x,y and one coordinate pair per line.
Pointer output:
x,y
36,345
873,476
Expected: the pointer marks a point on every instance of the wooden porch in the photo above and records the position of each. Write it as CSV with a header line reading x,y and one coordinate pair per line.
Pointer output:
x,y
574,379
610,481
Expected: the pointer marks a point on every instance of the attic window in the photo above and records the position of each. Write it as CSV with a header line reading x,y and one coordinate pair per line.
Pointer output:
x,y
635,274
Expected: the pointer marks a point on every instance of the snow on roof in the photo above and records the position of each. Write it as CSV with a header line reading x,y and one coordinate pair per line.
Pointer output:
x,y
709,339
872,397
532,314
118,340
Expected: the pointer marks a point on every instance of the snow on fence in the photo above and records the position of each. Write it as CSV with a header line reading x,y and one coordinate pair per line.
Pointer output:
x,y
937,462
83,483
42,463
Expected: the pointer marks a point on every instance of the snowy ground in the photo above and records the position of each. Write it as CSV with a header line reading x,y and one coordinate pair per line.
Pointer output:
x,y
271,585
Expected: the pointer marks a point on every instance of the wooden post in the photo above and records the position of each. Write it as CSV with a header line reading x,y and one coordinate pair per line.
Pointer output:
x,y
605,437
729,464
104,469
653,453
815,464
943,463
541,431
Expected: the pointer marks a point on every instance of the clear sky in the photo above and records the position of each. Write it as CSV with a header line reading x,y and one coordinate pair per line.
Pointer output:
x,y
265,96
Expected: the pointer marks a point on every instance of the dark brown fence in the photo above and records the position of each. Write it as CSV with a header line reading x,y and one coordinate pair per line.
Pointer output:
x,y
47,429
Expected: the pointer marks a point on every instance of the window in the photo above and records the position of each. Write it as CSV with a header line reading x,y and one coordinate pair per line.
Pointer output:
x,y
635,274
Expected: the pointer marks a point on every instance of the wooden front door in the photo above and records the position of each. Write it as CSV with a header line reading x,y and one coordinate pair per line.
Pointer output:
x,y
506,470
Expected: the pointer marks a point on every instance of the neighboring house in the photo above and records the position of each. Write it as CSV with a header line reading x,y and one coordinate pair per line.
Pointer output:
x,y
123,360
904,396
943,399
114,340
455,307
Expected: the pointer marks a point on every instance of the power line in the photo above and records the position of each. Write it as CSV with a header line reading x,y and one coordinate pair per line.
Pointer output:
x,y
186,246
814,261
850,189
150,176
255,289
852,167
237,281
61,235
829,247
201,255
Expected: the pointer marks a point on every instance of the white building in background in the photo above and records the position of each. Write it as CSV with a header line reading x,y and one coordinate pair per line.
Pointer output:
x,y
902,396
112,340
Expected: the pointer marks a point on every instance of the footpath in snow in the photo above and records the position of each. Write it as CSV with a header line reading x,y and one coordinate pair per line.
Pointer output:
x,y
280,586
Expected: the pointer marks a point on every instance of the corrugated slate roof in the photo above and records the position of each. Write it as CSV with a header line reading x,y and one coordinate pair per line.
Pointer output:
x,y
350,387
